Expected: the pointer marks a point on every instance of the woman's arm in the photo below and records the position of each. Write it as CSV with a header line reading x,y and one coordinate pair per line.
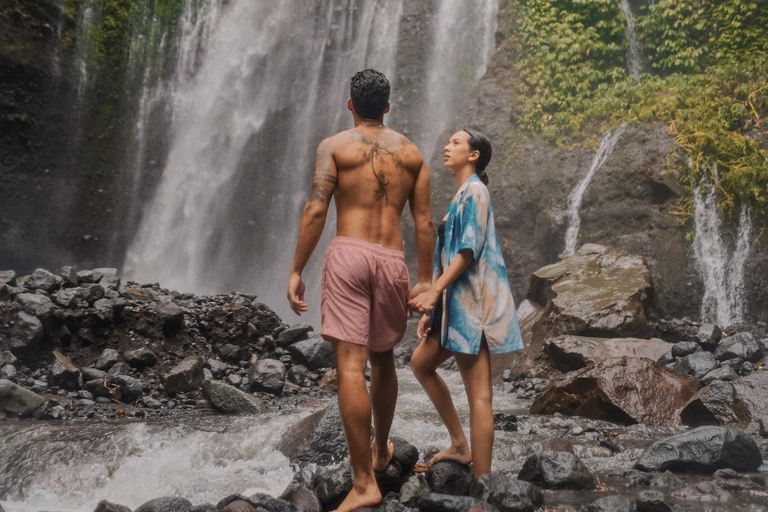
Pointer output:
x,y
426,301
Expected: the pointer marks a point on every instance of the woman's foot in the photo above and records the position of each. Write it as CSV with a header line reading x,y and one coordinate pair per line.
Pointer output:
x,y
382,460
460,454
360,497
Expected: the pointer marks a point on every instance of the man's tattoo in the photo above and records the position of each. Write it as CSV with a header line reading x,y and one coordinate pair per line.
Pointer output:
x,y
381,191
321,191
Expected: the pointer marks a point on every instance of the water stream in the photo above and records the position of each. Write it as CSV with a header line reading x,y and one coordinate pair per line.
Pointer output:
x,y
634,52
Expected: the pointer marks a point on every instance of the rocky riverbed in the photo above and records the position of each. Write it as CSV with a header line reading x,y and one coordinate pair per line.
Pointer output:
x,y
610,407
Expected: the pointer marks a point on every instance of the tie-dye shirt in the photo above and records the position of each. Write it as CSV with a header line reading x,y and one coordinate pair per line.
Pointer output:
x,y
479,300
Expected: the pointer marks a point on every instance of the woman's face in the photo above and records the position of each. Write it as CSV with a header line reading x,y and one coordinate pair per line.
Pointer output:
x,y
457,153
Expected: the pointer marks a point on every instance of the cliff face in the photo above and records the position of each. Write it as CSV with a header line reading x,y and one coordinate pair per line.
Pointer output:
x,y
628,203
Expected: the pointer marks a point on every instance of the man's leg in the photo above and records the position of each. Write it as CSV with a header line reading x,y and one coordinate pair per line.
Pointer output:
x,y
355,408
383,400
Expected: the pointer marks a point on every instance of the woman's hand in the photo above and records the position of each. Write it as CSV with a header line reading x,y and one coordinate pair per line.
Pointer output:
x,y
424,328
424,302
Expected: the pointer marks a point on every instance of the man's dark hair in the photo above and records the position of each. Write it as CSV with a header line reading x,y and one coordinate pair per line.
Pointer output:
x,y
369,90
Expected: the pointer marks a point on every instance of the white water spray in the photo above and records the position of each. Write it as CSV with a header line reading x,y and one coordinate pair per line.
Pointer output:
x,y
634,53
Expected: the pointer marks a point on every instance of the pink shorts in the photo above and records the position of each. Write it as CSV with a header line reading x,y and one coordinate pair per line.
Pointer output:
x,y
365,294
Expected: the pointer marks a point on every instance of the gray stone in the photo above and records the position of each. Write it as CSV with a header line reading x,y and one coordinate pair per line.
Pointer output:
x,y
186,376
15,399
316,439
709,336
105,506
65,298
229,352
109,278
698,364
449,477
8,372
405,454
506,493
571,353
35,305
141,358
267,375
313,353
654,501
41,279
610,504
300,493
88,276
69,275
231,400
724,373
684,348
436,502
413,489
8,277
332,485
298,374
119,368
7,357
26,333
742,345
752,392
292,335
170,313
64,374
557,470
702,450
107,358
166,505
130,388
666,359
104,309
716,404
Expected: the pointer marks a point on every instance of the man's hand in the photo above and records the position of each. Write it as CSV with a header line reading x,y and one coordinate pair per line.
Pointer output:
x,y
420,288
296,294
425,302
423,329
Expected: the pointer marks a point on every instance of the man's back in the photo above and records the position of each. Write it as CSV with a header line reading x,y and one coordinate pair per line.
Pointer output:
x,y
377,169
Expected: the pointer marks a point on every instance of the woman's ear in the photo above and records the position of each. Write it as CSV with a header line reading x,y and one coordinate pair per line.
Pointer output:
x,y
474,155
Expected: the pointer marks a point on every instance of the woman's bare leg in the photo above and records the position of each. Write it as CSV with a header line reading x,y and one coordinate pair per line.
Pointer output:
x,y
424,363
476,373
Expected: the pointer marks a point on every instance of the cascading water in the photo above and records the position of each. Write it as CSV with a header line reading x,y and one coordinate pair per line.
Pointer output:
x,y
607,145
634,53
721,265
273,83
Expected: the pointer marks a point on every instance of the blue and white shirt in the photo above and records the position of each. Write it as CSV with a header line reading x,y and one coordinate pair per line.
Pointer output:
x,y
480,299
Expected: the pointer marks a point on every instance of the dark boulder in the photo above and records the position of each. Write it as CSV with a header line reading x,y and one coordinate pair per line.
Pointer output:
x,y
413,489
405,454
697,365
610,504
170,313
26,334
300,492
186,376
267,375
702,450
332,485
15,399
141,358
724,373
684,348
313,353
36,305
231,400
571,353
316,439
41,279
449,477
64,374
506,493
709,336
557,470
742,346
716,404
130,388
105,506
622,390
654,501
107,358
752,391
166,505
293,334
68,276
436,502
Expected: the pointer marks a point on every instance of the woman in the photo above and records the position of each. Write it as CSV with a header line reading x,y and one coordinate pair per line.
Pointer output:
x,y
469,311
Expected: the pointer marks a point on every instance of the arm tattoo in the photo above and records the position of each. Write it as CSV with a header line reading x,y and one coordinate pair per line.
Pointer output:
x,y
323,185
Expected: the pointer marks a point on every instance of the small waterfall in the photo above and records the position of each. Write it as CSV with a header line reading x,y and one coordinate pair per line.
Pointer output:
x,y
634,53
721,265
607,144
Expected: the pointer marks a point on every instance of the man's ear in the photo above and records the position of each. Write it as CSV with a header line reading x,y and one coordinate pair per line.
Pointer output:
x,y
386,109
350,107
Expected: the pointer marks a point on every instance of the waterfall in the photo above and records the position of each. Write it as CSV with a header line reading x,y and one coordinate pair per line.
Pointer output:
x,y
607,144
634,53
721,265
272,83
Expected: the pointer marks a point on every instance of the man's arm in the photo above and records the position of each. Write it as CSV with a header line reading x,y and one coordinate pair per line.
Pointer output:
x,y
421,209
312,222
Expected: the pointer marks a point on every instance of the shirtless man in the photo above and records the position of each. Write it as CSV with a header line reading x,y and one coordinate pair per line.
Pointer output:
x,y
371,171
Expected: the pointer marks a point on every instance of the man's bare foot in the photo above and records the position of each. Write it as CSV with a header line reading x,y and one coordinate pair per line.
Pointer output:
x,y
381,461
357,498
462,455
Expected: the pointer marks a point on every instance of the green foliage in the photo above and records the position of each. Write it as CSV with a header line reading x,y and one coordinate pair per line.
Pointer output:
x,y
711,89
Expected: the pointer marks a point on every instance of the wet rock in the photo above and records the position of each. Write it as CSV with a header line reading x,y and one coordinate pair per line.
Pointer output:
x,y
702,450
716,404
98,387
597,291
293,334
697,365
505,422
166,505
666,360
709,336
170,313
654,501
130,388
205,508
405,454
571,353
449,477
231,400
41,279
229,352
610,504
413,489
105,506
300,493
313,353
186,376
506,494
332,485
15,399
104,310
622,390
391,478
298,374
8,372
107,358
436,502
752,391
316,439
557,470
684,348
8,277
26,334
330,380
109,278
35,305
64,374
68,275
119,368
7,357
742,345
141,358
267,375
724,373
65,299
